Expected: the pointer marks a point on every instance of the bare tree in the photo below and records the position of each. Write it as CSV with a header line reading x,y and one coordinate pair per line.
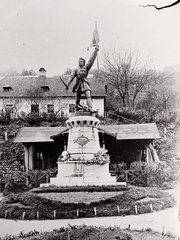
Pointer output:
x,y
166,92
30,72
161,99
159,8
68,71
12,105
39,99
127,76
17,106
35,95
9,73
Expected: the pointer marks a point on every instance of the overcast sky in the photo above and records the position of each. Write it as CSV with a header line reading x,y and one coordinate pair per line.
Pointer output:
x,y
54,33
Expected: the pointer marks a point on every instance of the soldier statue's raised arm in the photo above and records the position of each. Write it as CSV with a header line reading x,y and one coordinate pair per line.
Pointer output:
x,y
82,85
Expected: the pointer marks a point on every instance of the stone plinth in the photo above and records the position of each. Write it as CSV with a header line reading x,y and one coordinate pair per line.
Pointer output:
x,y
74,173
84,162
83,139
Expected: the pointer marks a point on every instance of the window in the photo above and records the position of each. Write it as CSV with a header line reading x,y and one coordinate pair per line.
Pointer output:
x,y
35,108
7,88
9,108
45,88
71,108
50,108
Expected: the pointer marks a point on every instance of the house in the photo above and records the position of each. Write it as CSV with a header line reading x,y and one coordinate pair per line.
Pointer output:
x,y
125,143
26,94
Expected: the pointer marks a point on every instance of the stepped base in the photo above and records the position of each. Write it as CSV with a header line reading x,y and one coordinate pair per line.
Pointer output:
x,y
83,181
83,174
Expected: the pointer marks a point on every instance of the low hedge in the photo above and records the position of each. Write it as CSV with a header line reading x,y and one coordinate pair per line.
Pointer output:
x,y
62,189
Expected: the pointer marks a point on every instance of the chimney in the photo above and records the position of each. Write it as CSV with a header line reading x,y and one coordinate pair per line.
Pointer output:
x,y
42,72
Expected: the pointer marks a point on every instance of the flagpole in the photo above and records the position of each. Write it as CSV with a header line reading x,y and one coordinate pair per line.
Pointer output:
x,y
97,62
98,41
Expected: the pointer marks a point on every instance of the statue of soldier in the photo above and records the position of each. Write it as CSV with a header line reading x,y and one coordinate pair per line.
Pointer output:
x,y
82,85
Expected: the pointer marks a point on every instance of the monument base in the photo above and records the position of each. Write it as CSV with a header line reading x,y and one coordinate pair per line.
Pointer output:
x,y
84,163
77,173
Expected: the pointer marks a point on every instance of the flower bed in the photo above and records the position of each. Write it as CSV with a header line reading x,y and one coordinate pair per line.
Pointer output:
x,y
89,232
29,205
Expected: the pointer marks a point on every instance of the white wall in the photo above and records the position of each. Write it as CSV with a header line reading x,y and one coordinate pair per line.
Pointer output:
x,y
97,104
60,104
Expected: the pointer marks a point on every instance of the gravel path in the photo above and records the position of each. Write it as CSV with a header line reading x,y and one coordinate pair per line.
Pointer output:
x,y
163,221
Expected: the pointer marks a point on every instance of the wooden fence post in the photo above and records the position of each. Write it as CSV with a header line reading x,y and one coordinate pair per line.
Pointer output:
x,y
126,172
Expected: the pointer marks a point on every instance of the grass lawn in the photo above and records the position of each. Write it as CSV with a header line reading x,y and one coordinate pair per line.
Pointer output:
x,y
80,197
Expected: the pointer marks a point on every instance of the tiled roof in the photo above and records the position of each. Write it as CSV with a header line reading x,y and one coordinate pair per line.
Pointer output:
x,y
132,131
21,84
121,132
37,134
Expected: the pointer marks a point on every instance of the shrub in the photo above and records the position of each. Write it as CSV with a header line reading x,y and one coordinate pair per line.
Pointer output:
x,y
48,117
76,232
118,169
52,117
21,116
138,115
15,182
61,119
5,117
33,119
36,177
157,174
44,116
18,181
162,174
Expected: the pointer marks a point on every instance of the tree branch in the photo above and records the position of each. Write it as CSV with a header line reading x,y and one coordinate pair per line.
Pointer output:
x,y
159,8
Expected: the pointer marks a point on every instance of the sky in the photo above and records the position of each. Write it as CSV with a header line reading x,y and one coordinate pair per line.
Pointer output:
x,y
54,33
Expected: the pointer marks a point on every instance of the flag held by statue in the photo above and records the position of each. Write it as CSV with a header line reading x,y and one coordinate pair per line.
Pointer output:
x,y
95,38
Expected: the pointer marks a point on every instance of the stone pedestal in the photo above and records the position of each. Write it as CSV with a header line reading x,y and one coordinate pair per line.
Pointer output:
x,y
83,139
85,162
78,173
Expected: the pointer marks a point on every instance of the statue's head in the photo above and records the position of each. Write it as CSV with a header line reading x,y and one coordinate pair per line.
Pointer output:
x,y
82,62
